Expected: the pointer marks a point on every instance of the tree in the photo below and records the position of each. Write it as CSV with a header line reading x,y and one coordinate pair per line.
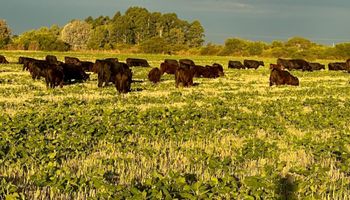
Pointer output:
x,y
76,34
99,38
343,50
300,43
234,46
155,45
45,39
256,48
195,34
5,33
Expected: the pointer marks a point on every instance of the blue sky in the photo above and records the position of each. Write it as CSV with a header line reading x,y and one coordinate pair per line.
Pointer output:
x,y
322,21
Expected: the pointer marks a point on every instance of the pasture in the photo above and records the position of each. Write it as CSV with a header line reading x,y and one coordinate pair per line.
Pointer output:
x,y
233,137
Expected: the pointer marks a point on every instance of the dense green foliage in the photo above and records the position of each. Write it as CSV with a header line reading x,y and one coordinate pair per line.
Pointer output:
x,y
228,138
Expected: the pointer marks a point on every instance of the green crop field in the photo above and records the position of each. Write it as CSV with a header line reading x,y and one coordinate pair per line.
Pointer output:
x,y
233,137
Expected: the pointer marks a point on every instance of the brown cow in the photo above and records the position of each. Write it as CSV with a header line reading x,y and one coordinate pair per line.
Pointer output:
x,y
52,60
184,76
123,78
54,76
291,64
186,63
254,64
3,60
348,65
137,62
282,77
235,64
87,66
171,61
337,66
72,60
168,68
317,66
154,75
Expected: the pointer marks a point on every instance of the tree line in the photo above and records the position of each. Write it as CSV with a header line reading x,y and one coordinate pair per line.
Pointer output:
x,y
141,31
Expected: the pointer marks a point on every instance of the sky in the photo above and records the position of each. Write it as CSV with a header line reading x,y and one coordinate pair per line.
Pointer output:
x,y
322,21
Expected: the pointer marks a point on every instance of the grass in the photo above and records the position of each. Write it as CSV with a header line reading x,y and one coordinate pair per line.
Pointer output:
x,y
64,142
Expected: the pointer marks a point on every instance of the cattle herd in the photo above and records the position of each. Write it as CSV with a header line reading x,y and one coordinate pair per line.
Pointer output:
x,y
57,73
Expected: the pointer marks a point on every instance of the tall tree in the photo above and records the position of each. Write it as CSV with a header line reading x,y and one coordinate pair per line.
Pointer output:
x,y
76,33
99,38
195,34
5,33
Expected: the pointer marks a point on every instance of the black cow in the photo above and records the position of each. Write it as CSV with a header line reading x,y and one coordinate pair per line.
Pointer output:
x,y
184,76
3,60
187,63
154,75
54,76
137,62
52,60
282,77
25,61
168,68
337,66
291,64
348,65
87,66
198,70
72,60
208,71
252,64
123,78
219,68
235,64
108,70
171,61
37,69
317,66
73,72
112,59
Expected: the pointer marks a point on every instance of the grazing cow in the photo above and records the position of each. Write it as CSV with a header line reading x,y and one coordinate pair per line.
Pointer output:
x,y
168,68
108,70
98,63
348,65
186,63
235,64
171,61
37,69
72,60
25,61
219,68
137,62
184,76
317,66
52,60
337,66
54,76
112,59
3,60
123,78
299,64
73,72
87,66
211,72
253,64
154,75
282,77
208,71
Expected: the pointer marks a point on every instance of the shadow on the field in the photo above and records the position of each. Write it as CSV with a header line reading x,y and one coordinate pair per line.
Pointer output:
x,y
138,81
286,187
